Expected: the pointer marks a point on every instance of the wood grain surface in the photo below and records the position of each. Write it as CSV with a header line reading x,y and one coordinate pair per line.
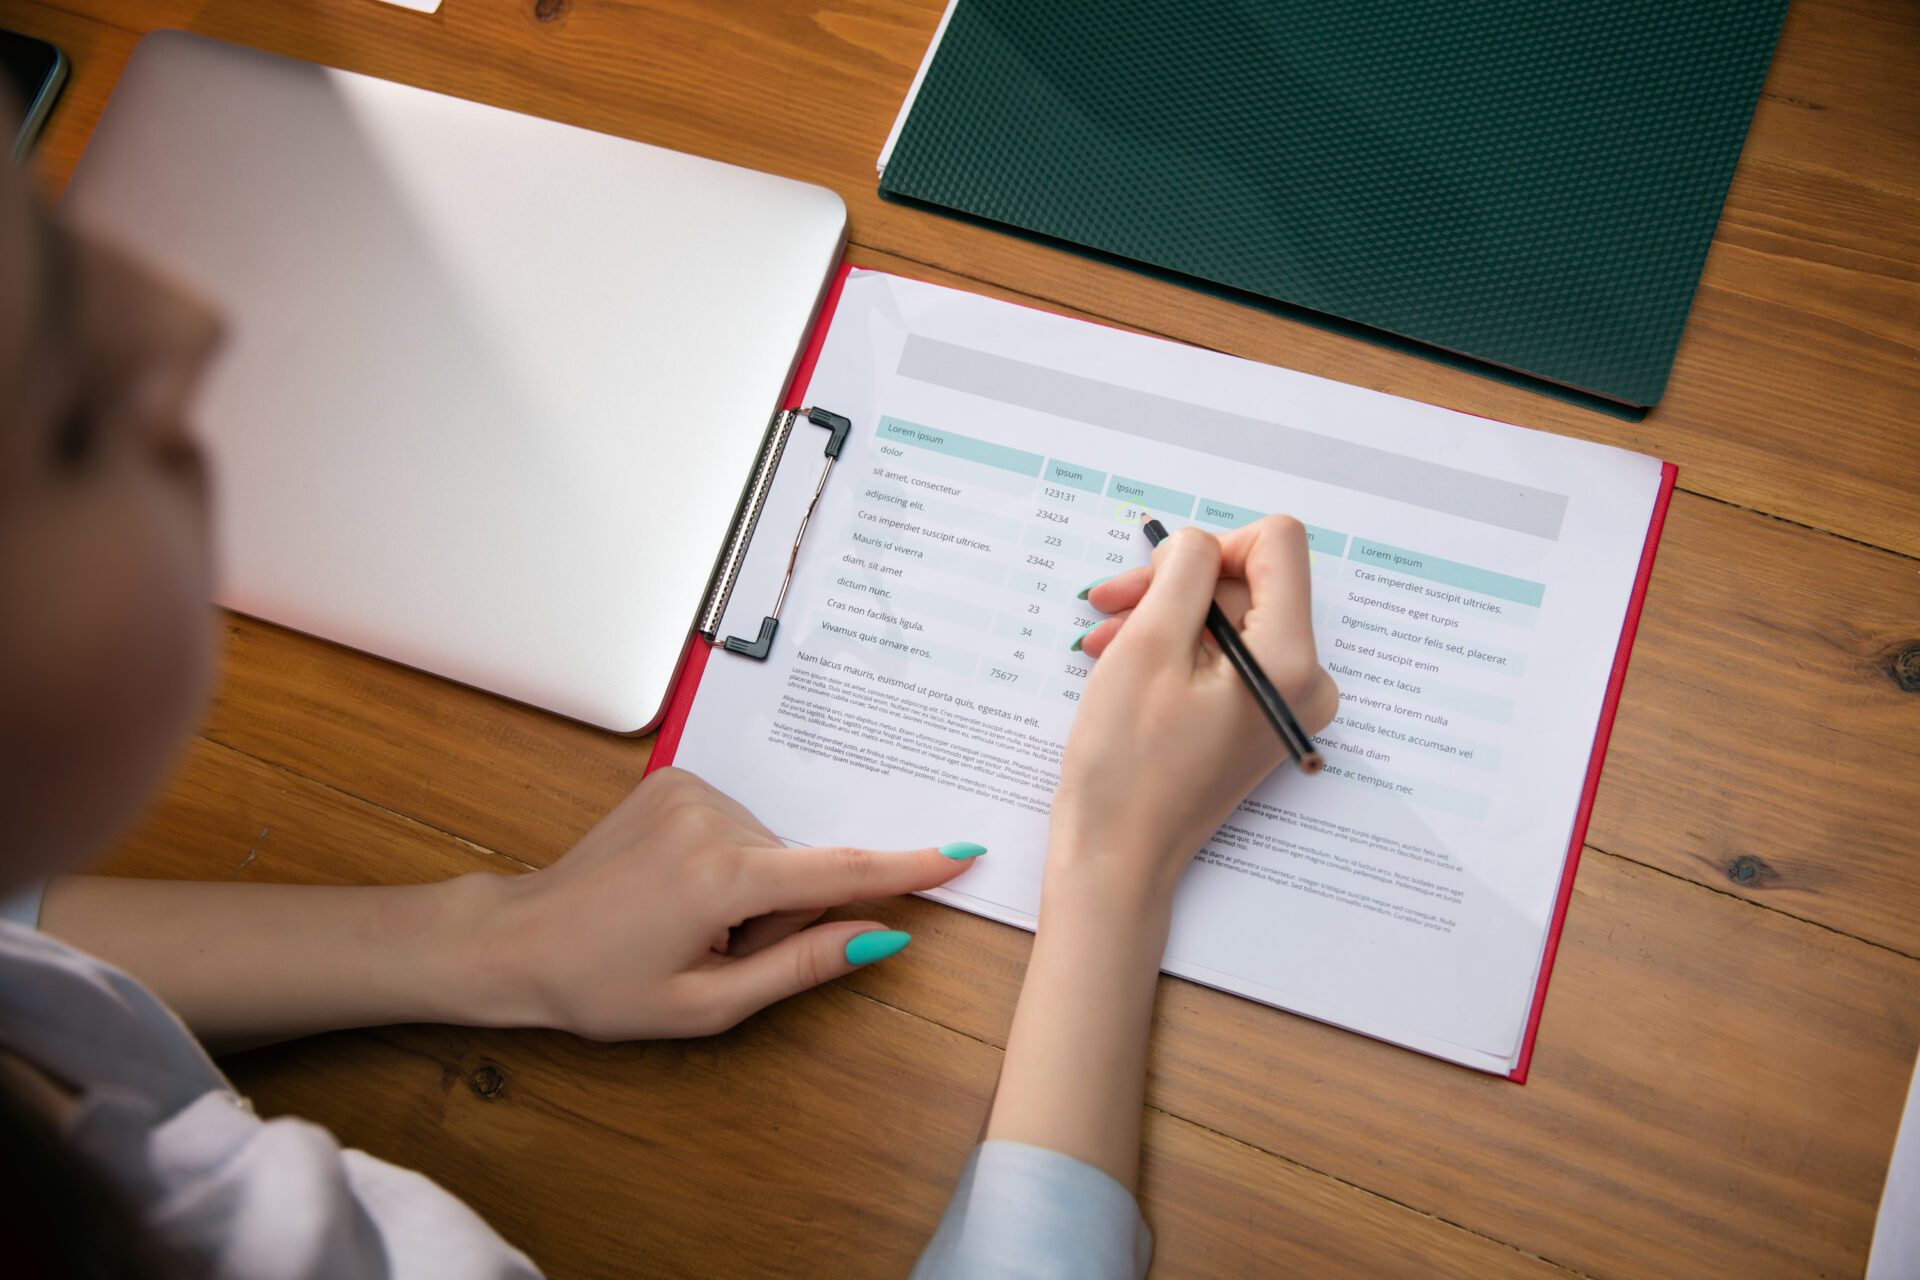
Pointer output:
x,y
1736,1006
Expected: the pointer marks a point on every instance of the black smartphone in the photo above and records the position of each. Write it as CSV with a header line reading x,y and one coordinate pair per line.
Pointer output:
x,y
34,72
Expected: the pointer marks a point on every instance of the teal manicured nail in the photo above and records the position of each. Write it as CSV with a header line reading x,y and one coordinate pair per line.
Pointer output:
x,y
1088,589
877,944
1075,646
962,849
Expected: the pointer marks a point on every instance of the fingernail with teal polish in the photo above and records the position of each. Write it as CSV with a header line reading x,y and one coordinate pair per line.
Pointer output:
x,y
1075,646
1088,589
877,944
962,849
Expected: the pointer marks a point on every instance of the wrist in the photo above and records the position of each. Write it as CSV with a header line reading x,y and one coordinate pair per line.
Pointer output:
x,y
1118,886
473,974
1114,902
1108,866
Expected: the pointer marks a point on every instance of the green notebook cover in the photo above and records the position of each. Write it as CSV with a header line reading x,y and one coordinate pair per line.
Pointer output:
x,y
1522,186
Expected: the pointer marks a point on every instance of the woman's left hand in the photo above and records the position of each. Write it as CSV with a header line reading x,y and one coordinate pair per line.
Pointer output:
x,y
680,915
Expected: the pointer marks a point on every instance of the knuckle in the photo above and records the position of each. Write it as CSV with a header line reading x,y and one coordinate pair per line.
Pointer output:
x,y
675,788
717,877
699,1012
1295,674
1138,641
1306,685
808,969
722,1017
1196,545
598,1032
1287,527
670,780
708,1020
1332,707
852,864
683,824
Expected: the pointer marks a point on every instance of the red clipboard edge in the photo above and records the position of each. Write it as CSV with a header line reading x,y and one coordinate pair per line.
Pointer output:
x,y
687,683
1610,704
803,371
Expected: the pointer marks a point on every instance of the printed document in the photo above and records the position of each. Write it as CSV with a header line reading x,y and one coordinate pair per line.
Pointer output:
x,y
1470,581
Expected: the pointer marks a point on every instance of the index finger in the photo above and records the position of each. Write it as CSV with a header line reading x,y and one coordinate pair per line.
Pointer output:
x,y
812,879
1169,617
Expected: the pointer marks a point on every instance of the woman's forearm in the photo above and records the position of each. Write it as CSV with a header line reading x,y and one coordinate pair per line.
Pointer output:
x,y
1131,809
1075,1072
677,915
247,964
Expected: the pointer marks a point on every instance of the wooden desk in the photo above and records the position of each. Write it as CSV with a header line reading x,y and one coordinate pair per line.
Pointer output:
x,y
1736,1006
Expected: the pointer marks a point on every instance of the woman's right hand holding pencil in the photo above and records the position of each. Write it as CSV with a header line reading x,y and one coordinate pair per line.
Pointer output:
x,y
1168,738
1167,741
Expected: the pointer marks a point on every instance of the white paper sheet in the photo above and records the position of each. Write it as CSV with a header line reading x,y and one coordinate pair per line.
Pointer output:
x,y
1470,582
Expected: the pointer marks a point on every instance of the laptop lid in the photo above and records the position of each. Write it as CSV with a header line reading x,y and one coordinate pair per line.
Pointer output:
x,y
493,385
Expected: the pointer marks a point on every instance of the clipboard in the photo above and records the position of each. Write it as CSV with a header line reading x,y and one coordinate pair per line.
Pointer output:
x,y
709,646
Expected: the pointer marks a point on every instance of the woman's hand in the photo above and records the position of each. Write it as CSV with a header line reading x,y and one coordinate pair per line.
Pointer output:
x,y
1166,743
1168,739
680,915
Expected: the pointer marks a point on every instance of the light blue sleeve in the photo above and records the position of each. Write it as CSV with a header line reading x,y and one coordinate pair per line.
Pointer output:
x,y
22,906
1034,1214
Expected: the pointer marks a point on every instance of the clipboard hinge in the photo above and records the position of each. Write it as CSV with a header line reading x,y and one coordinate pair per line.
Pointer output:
x,y
740,538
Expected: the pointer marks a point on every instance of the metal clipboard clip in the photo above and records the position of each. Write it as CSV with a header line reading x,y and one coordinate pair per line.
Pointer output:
x,y
752,502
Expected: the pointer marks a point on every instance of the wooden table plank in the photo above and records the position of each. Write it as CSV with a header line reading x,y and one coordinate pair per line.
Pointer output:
x,y
1768,739
1771,406
1837,103
228,816
1714,1093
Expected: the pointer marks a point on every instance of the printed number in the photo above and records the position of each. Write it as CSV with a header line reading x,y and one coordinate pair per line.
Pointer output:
x,y
1064,495
998,674
1071,695
1033,608
1041,561
1076,671
1054,542
1040,586
1058,517
1114,557
1025,632
1021,654
1125,535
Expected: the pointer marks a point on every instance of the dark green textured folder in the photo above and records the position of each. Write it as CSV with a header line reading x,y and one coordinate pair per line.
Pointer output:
x,y
1526,186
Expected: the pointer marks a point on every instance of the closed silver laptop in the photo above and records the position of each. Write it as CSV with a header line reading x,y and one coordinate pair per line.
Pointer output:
x,y
493,385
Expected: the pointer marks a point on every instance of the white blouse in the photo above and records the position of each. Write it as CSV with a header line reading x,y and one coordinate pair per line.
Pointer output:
x,y
274,1199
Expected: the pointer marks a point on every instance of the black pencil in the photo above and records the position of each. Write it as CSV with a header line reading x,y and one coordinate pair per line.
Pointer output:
x,y
1299,746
